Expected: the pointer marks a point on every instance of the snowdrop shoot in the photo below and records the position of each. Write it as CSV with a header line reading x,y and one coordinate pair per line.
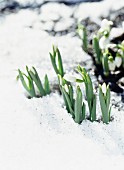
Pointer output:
x,y
105,64
56,61
27,84
91,97
75,106
33,78
82,32
97,49
104,97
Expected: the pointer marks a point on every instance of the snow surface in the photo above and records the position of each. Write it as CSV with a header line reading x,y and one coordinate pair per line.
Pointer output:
x,y
38,133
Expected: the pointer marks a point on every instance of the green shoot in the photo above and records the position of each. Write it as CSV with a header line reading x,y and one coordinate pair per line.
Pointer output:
x,y
91,97
75,107
97,49
56,60
33,77
29,87
105,64
82,32
104,97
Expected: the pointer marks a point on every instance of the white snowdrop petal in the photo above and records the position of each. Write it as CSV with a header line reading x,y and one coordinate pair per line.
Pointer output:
x,y
111,65
118,61
80,32
105,24
104,88
69,78
66,88
122,43
103,42
120,52
110,23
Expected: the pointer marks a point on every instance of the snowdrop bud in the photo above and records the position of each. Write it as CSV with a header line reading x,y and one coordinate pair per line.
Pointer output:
x,y
80,32
120,52
69,78
122,43
111,65
105,24
118,61
66,88
103,42
104,89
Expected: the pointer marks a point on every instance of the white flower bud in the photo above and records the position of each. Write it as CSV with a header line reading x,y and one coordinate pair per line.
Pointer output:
x,y
118,61
103,42
80,32
104,89
66,88
122,43
120,52
105,24
69,78
111,65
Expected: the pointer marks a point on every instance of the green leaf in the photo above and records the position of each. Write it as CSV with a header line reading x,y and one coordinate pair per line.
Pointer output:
x,y
104,110
35,77
46,85
71,94
54,63
105,64
108,96
97,49
78,106
83,36
93,112
79,81
30,87
83,111
110,113
68,101
60,65
85,41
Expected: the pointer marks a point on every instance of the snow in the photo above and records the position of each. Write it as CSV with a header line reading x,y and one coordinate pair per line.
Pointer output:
x,y
38,133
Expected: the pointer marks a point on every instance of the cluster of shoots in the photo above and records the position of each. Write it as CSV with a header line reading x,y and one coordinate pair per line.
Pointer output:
x,y
104,97
32,80
107,54
76,104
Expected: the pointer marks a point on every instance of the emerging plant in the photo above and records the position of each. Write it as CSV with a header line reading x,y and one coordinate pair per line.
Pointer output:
x,y
121,54
108,55
75,106
33,77
57,61
29,86
82,32
91,97
97,50
105,63
104,97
